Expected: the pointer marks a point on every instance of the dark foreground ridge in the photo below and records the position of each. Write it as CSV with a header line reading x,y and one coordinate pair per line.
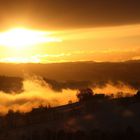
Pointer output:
x,y
95,116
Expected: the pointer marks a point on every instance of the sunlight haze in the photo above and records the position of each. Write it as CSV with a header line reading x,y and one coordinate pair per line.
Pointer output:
x,y
115,43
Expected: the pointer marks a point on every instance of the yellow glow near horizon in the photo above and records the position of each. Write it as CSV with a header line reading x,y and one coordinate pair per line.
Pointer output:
x,y
117,43
20,38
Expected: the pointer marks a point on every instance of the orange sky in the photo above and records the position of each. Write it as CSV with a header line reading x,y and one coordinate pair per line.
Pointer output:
x,y
115,43
75,30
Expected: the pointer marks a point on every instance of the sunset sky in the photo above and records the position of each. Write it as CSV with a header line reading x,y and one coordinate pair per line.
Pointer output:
x,y
45,31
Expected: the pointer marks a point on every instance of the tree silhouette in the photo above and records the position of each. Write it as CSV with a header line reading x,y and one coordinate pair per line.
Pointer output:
x,y
85,94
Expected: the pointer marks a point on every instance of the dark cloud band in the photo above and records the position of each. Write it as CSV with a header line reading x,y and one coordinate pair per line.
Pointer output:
x,y
72,13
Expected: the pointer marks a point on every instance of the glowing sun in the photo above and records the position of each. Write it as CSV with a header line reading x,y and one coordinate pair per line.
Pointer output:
x,y
20,38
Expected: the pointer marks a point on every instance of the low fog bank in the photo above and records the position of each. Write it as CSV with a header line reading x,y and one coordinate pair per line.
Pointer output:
x,y
106,87
37,91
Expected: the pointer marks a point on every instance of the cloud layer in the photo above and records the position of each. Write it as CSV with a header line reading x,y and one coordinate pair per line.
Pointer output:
x,y
73,13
